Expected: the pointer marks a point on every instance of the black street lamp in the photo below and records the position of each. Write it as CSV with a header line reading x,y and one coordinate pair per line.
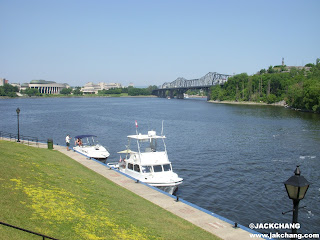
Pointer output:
x,y
18,111
296,187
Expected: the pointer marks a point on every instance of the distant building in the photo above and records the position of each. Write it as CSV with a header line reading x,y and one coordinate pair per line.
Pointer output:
x,y
112,85
91,88
284,68
45,87
3,81
288,68
297,67
16,85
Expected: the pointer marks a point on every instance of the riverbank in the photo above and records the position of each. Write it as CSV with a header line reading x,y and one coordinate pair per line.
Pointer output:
x,y
76,191
278,104
79,96
48,192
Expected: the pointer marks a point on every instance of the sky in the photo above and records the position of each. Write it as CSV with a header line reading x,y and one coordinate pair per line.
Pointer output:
x,y
149,42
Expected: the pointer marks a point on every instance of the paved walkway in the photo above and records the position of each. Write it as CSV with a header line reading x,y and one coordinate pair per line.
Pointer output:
x,y
210,222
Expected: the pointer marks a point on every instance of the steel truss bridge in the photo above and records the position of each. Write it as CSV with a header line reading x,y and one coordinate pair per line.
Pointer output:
x,y
181,85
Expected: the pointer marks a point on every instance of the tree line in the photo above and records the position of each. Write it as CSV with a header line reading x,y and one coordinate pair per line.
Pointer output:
x,y
10,91
298,88
131,91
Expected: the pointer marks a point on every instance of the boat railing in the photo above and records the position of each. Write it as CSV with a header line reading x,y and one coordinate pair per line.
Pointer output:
x,y
113,164
154,154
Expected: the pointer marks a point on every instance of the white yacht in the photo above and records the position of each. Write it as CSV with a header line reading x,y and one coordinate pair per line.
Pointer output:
x,y
89,146
149,162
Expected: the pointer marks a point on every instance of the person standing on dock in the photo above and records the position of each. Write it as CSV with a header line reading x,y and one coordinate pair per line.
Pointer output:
x,y
68,138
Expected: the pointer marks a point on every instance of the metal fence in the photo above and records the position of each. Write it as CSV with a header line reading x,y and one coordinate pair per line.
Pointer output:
x,y
23,139
28,231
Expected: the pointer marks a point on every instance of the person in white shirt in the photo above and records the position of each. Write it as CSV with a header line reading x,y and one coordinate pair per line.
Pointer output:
x,y
68,138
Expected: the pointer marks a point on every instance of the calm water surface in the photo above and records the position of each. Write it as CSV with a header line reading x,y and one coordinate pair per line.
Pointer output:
x,y
234,159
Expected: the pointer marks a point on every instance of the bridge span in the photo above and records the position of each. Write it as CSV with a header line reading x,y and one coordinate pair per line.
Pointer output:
x,y
181,85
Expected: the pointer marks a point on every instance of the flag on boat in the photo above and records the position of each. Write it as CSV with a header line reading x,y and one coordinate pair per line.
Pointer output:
x,y
136,124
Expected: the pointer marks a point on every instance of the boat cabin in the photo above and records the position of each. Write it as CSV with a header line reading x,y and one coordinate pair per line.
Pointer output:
x,y
148,162
150,169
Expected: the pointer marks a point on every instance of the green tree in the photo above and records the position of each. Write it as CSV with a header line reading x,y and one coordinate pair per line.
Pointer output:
x,y
66,91
8,90
2,93
32,92
77,91
262,71
151,88
132,91
283,68
271,98
215,92
113,91
295,95
299,88
249,89
311,90
271,69
124,90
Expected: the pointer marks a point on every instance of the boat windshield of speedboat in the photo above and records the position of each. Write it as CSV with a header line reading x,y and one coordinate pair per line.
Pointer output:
x,y
89,146
147,161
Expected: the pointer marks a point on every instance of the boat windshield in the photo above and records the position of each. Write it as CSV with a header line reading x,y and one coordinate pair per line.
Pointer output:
x,y
157,168
151,145
166,167
92,141
146,169
136,168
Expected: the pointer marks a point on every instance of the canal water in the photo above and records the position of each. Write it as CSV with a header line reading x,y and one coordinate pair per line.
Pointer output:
x,y
233,158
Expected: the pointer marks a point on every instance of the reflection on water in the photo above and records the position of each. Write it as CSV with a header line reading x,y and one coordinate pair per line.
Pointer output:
x,y
233,158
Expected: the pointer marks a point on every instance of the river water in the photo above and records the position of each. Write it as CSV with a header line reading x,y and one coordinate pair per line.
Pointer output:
x,y
233,158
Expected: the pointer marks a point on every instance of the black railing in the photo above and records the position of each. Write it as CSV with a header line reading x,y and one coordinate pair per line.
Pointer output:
x,y
28,231
24,139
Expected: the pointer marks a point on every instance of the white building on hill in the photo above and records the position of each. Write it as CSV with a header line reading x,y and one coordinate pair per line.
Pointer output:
x,y
45,87
91,88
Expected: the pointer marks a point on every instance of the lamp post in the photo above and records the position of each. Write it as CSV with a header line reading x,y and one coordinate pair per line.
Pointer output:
x,y
18,111
296,187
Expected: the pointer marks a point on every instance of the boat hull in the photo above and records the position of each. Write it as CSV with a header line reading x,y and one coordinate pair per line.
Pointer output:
x,y
91,152
168,189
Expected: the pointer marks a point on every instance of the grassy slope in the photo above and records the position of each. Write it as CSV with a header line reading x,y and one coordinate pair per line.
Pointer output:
x,y
47,192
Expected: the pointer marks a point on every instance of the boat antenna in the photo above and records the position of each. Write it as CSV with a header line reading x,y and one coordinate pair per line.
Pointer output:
x,y
162,129
138,139
165,147
136,127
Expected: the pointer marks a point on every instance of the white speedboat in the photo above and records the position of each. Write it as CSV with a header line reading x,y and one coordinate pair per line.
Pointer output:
x,y
89,146
149,162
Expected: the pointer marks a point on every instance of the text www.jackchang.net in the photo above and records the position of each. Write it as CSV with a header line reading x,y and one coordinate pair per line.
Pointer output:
x,y
285,235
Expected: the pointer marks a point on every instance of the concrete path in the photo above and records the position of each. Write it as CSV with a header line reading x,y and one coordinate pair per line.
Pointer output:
x,y
210,222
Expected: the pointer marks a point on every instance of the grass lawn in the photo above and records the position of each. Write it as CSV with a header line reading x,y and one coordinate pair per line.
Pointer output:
x,y
47,192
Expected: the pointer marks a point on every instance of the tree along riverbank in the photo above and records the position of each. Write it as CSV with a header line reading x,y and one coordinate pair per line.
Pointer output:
x,y
10,91
299,88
